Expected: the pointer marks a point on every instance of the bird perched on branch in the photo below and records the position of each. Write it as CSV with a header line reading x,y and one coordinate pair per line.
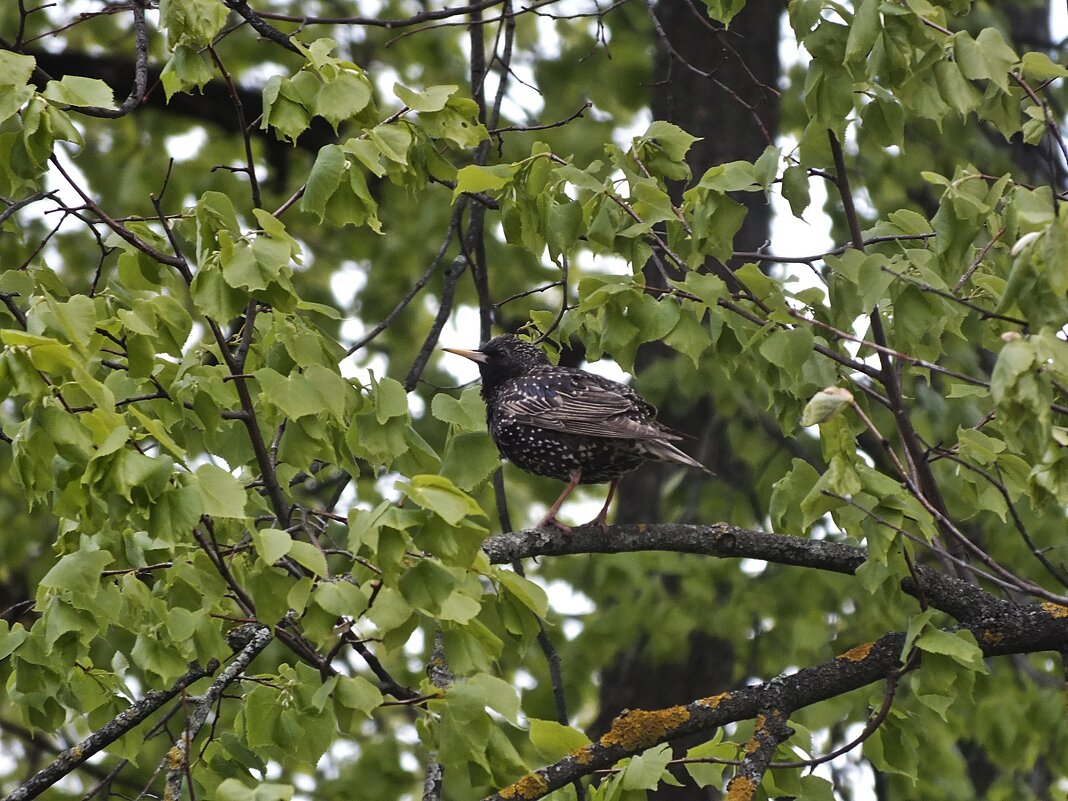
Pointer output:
x,y
566,423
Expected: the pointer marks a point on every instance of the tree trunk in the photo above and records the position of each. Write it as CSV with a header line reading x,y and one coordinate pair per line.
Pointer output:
x,y
734,109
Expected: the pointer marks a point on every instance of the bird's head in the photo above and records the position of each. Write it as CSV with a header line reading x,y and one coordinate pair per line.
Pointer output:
x,y
502,358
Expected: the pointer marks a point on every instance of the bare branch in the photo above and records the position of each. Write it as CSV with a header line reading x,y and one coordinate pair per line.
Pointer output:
x,y
251,638
107,734
261,27
953,596
770,732
137,92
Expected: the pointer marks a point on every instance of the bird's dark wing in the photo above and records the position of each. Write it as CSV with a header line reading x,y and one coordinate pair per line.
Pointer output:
x,y
580,403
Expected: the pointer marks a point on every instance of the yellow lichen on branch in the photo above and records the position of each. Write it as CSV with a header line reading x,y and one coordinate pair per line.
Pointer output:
x,y
992,637
638,728
857,654
1055,610
533,785
583,755
741,788
713,700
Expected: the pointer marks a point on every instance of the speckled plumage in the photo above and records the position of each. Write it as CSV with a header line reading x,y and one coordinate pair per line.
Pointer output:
x,y
566,423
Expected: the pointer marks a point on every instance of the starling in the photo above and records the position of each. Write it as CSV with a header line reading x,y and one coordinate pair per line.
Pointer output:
x,y
566,423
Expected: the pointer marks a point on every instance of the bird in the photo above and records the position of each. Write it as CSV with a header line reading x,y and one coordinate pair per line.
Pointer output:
x,y
567,423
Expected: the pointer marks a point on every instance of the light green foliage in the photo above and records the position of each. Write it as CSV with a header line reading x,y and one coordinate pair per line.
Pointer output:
x,y
193,440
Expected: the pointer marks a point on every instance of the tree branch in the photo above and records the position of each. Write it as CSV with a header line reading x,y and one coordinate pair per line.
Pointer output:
x,y
251,639
770,732
1021,630
263,28
957,598
107,734
140,81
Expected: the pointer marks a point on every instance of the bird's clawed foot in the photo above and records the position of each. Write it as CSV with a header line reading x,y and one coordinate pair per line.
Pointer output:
x,y
601,521
551,521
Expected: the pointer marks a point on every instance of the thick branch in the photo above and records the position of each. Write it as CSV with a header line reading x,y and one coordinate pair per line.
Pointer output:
x,y
1019,630
959,599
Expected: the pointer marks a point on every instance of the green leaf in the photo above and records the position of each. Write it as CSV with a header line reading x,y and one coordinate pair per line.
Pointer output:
x,y
221,495
863,31
987,56
674,141
75,318
393,142
343,97
11,637
390,400
710,774
428,585
1015,360
433,98
788,349
724,10
75,90
795,189
390,610
1039,67
977,446
787,494
340,598
564,226
15,69
288,117
306,554
441,497
487,690
690,338
77,572
323,180
553,740
893,748
825,404
192,21
529,594
13,99
235,790
187,69
317,390
357,693
958,645
469,459
271,544
476,178
644,771
468,412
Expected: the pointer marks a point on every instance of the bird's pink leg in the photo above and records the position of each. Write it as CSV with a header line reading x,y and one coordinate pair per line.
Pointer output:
x,y
550,518
601,521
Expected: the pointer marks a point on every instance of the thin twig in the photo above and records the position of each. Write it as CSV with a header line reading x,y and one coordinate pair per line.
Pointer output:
x,y
137,92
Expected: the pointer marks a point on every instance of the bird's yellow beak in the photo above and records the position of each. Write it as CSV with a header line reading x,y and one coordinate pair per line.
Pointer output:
x,y
473,355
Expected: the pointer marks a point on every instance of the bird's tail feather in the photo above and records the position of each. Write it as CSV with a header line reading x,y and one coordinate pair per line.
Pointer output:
x,y
663,451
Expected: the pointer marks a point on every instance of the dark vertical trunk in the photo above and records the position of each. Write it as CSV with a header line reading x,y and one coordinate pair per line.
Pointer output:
x,y
733,107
